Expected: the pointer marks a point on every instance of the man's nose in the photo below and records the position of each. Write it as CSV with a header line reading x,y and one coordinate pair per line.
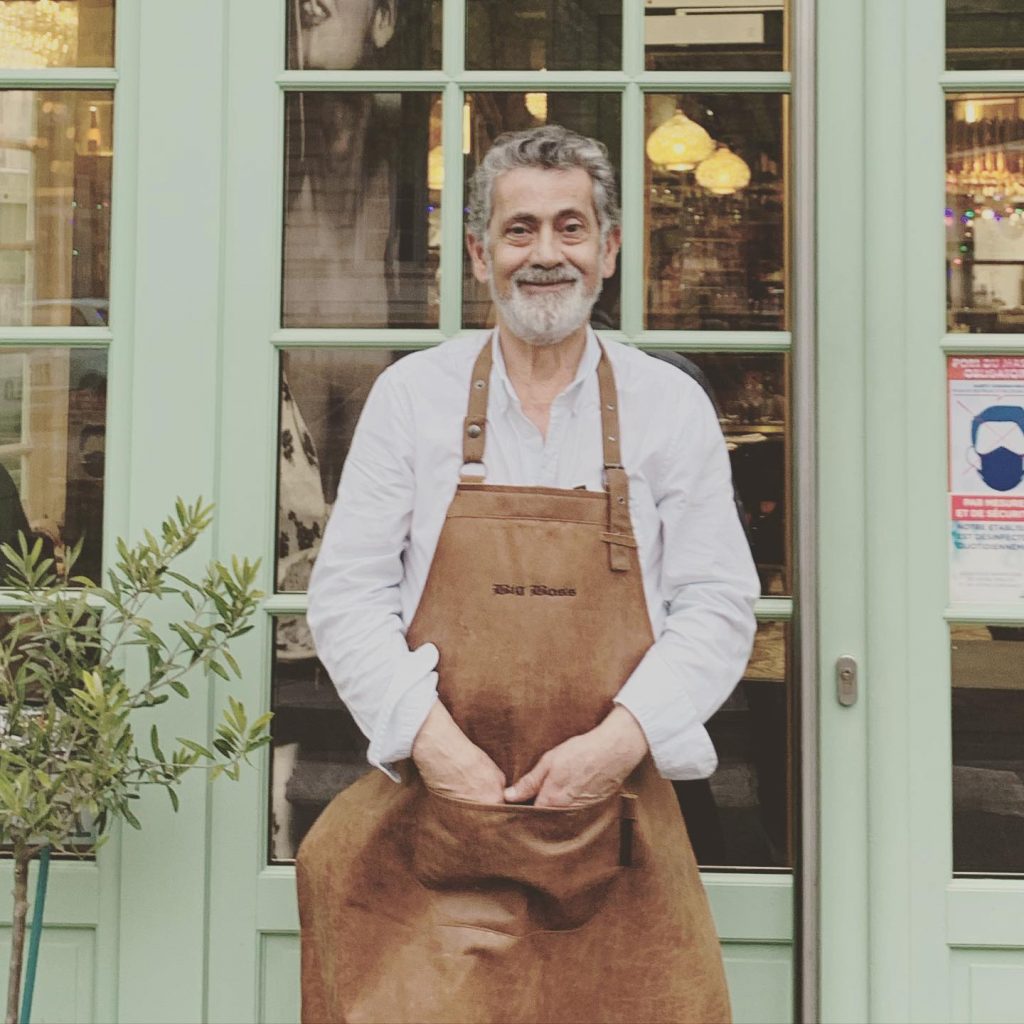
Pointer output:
x,y
546,250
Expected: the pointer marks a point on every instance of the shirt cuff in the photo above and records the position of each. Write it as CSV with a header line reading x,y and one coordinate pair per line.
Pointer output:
x,y
409,698
657,699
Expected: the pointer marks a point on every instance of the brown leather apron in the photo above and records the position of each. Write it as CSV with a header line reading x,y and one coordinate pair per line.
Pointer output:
x,y
417,907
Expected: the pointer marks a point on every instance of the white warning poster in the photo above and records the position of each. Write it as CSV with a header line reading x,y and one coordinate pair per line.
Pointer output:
x,y
986,479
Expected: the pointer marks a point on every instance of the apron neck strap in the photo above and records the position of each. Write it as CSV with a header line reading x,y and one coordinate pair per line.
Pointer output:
x,y
619,536
620,527
474,427
609,398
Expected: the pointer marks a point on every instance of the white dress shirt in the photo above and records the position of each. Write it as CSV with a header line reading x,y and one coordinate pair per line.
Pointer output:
x,y
401,474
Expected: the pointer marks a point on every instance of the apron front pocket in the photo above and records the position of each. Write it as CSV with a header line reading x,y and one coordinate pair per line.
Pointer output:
x,y
550,868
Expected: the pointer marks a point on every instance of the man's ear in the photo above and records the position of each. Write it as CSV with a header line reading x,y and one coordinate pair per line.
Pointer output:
x,y
612,244
383,27
478,254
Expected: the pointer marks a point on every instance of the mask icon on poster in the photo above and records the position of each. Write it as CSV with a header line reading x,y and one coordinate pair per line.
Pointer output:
x,y
997,446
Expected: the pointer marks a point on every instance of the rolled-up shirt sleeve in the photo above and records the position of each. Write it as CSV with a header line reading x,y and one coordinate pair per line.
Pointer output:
x,y
709,586
355,611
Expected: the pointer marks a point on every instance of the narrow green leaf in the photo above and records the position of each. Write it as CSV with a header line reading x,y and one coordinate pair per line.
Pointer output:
x,y
196,748
217,669
155,743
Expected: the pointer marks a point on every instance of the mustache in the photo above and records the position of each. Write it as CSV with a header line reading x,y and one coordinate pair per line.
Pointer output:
x,y
538,275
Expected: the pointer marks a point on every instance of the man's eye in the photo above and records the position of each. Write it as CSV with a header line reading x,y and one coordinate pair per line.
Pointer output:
x,y
518,231
573,228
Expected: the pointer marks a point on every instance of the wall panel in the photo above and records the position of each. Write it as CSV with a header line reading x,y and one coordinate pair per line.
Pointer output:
x,y
64,978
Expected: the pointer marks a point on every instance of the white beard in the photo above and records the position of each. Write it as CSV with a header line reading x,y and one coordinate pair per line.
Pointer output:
x,y
545,319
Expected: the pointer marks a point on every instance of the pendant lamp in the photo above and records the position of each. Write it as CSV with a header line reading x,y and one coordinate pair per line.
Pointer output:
x,y
723,173
679,144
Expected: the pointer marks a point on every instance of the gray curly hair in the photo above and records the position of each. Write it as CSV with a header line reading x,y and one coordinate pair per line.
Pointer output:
x,y
554,148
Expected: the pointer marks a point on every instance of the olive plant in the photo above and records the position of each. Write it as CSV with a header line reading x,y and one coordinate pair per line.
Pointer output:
x,y
81,664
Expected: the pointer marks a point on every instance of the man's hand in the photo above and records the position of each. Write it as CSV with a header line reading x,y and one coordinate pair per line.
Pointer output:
x,y
450,763
584,769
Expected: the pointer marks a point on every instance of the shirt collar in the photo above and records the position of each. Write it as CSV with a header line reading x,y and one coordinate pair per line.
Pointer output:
x,y
506,394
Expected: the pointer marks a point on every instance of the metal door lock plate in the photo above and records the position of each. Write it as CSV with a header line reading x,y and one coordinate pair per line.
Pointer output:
x,y
846,680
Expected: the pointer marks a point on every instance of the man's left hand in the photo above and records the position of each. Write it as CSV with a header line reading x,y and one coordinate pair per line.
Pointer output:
x,y
586,768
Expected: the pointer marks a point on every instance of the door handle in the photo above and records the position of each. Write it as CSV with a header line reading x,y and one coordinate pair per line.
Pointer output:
x,y
846,680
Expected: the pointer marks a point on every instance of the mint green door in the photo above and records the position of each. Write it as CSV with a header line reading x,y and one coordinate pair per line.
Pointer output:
x,y
486,67
806,280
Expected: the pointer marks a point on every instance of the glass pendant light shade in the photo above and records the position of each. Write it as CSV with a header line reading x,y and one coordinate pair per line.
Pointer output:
x,y
723,173
679,144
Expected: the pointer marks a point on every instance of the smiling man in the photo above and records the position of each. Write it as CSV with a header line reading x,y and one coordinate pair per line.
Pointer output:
x,y
532,593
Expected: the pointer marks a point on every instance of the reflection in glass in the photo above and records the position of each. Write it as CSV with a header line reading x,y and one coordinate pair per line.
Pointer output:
x,y
544,35
988,749
361,228
715,35
742,815
56,33
486,116
317,749
985,214
715,212
53,405
984,35
55,163
750,394
340,35
322,395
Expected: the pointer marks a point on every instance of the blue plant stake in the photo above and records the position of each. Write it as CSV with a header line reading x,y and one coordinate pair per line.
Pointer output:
x,y
36,934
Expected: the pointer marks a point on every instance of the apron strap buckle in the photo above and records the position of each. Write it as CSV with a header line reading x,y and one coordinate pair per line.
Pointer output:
x,y
620,527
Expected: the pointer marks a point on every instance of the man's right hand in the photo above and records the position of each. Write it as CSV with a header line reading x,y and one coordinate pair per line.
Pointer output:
x,y
450,763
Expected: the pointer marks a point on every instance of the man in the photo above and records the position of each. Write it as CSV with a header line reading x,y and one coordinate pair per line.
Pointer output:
x,y
530,608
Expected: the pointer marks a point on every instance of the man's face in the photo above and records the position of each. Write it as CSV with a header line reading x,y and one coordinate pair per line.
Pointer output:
x,y
543,258
337,34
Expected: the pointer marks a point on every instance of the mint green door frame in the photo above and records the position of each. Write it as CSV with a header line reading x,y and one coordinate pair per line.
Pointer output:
x,y
840,536
79,957
253,951
127,936
901,939
884,762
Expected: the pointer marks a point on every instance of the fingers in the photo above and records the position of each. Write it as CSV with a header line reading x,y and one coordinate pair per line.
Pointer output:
x,y
529,785
491,787
555,796
578,772
450,763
